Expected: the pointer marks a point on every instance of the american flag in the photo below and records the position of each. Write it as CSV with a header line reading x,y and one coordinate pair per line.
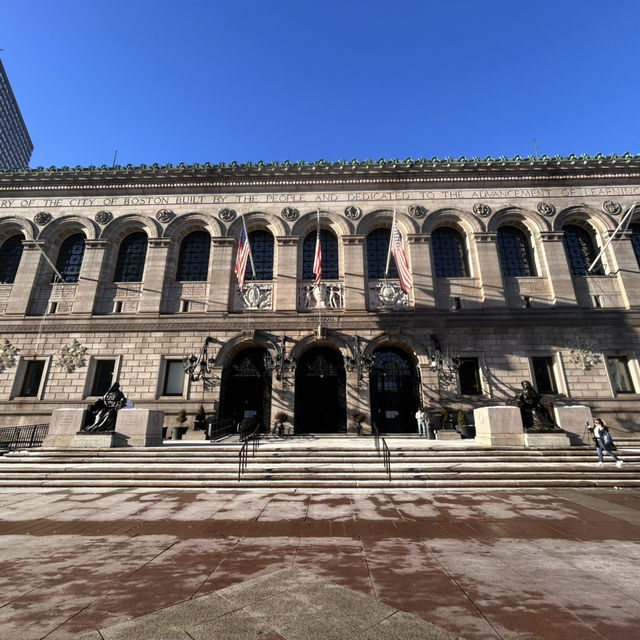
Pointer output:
x,y
402,266
317,259
241,258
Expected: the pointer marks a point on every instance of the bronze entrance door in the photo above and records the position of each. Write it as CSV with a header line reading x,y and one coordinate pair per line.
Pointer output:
x,y
320,405
246,388
393,386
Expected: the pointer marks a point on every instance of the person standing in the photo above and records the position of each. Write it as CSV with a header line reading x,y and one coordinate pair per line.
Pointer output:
x,y
603,441
421,419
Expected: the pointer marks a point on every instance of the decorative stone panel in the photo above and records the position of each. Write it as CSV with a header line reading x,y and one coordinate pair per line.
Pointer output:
x,y
387,294
256,296
329,295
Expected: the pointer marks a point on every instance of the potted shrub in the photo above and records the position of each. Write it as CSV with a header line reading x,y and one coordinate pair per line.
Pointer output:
x,y
281,418
463,424
200,420
445,417
359,418
181,418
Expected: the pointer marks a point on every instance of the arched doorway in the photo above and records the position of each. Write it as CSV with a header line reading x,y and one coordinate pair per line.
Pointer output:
x,y
246,387
393,387
320,392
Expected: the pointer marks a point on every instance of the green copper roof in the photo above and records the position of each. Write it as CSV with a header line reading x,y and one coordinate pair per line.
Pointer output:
x,y
367,163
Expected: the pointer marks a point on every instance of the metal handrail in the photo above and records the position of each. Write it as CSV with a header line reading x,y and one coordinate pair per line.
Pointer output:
x,y
23,437
386,452
252,440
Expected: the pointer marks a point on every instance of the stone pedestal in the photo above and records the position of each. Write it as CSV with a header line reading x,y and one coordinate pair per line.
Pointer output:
x,y
572,419
447,434
556,439
94,440
499,426
64,425
140,427
134,428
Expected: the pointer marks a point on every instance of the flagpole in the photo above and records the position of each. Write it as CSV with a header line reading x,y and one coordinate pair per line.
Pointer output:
x,y
386,270
244,226
623,220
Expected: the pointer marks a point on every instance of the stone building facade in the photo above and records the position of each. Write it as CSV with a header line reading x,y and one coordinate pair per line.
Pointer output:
x,y
119,273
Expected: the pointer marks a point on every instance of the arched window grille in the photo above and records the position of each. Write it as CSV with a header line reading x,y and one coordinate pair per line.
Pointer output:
x,y
193,261
449,253
329,244
131,258
635,240
261,243
377,252
10,254
70,257
515,253
581,251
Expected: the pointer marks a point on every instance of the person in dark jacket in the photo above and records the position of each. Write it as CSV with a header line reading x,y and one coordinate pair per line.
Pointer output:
x,y
603,441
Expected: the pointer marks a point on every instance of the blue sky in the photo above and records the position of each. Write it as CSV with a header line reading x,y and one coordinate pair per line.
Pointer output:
x,y
222,80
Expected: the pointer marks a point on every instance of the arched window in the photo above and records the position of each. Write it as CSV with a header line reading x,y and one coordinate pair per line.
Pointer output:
x,y
515,253
70,257
449,253
635,240
377,252
581,251
10,254
261,243
193,261
329,244
131,258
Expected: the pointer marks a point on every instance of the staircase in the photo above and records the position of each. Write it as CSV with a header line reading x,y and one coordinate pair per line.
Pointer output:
x,y
322,463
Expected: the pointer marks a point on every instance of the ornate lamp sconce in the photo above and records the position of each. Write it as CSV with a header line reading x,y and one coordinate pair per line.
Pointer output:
x,y
358,361
200,367
444,363
581,353
282,364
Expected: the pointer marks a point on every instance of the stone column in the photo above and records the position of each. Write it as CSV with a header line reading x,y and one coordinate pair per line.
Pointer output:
x,y
26,278
354,273
222,280
556,268
154,275
424,294
625,265
286,276
490,273
90,276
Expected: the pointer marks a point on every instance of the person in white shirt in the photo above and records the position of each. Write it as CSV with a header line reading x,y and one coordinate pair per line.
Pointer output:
x,y
421,419
603,441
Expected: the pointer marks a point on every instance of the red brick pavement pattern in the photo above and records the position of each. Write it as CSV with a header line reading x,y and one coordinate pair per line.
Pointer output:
x,y
512,565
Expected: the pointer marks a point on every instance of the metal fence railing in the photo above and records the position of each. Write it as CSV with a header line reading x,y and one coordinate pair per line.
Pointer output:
x,y
23,437
220,428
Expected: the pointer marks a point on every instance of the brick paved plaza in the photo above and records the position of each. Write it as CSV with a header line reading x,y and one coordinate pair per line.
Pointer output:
x,y
297,564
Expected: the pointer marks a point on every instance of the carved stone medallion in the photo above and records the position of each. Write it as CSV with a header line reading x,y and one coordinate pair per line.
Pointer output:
x,y
353,213
417,211
611,207
546,209
481,209
290,213
164,215
103,217
226,215
42,218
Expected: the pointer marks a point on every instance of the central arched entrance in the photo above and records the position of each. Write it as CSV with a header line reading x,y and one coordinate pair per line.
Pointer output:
x,y
246,387
320,405
393,387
